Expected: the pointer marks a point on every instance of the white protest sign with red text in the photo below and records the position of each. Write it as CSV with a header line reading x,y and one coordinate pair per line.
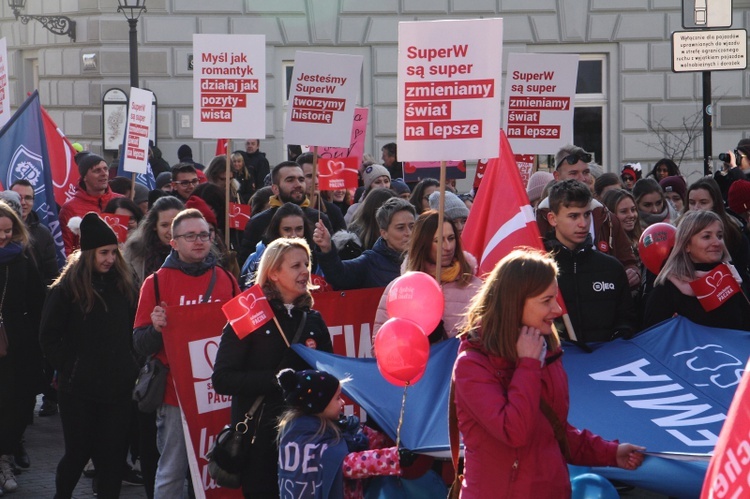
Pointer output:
x,y
525,164
229,86
539,99
356,147
337,173
322,99
248,311
137,132
4,97
449,89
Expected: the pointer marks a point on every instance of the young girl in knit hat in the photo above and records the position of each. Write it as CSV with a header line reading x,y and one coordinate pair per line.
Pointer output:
x,y
321,453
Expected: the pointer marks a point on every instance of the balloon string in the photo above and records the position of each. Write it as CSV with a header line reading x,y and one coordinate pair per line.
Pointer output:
x,y
401,416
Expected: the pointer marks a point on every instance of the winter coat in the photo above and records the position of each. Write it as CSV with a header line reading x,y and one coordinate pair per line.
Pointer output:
x,y
374,268
246,368
44,249
596,292
91,352
258,164
510,446
81,203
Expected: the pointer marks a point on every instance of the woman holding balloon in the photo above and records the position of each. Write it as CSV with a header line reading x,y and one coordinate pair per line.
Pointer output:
x,y
511,391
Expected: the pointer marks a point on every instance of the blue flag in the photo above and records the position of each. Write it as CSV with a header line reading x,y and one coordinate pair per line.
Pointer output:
x,y
23,155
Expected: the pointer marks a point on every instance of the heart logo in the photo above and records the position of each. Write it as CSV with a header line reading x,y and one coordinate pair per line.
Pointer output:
x,y
209,351
714,280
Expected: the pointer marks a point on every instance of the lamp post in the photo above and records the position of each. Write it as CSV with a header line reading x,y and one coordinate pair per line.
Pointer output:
x,y
132,10
59,25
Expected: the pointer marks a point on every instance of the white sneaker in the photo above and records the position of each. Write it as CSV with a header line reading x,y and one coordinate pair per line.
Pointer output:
x,y
7,478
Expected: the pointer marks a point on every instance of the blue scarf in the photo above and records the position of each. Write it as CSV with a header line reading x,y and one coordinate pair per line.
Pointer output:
x,y
9,252
309,464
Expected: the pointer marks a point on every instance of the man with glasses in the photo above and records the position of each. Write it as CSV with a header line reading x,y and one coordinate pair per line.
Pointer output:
x,y
190,275
184,181
91,194
572,163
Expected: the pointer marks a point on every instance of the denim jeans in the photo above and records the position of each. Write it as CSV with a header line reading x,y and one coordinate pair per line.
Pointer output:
x,y
173,463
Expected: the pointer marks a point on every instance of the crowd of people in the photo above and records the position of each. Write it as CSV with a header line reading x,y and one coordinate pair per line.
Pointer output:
x,y
78,333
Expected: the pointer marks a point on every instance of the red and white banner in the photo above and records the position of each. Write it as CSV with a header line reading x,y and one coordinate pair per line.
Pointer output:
x,y
322,97
61,159
525,164
4,94
119,224
222,147
449,89
239,215
539,100
501,217
338,173
248,311
229,86
137,133
191,340
716,287
728,472
357,146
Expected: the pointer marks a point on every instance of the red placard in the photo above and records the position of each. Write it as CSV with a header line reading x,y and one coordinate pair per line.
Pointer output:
x,y
239,214
715,288
119,224
337,173
248,311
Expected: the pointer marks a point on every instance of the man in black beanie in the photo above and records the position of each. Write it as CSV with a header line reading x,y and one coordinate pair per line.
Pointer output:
x,y
91,194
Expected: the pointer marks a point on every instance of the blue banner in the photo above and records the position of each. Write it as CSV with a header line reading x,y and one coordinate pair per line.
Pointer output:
x,y
23,155
668,389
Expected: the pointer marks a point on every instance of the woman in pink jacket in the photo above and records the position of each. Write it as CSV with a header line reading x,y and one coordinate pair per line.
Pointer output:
x,y
511,391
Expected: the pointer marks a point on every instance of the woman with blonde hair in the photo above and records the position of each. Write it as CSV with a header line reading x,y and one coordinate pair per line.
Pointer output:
x,y
698,248
21,300
86,334
511,391
246,368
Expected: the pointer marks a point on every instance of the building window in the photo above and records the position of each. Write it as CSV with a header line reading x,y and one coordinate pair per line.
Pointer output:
x,y
590,114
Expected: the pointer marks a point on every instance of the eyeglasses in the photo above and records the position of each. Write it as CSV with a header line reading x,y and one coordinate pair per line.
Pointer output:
x,y
185,183
572,159
192,236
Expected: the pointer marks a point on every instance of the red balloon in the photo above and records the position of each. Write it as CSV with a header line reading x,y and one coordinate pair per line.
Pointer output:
x,y
401,350
655,245
417,297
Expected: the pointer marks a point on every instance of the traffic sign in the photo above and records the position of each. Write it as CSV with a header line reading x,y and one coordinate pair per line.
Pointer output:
x,y
715,50
706,14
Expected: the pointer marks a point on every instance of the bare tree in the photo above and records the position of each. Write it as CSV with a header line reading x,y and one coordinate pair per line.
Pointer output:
x,y
674,142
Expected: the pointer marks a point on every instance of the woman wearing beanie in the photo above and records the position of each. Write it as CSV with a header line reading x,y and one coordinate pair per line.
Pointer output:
x,y
86,334
455,209
246,368
675,190
457,279
373,177
338,451
537,182
630,176
21,377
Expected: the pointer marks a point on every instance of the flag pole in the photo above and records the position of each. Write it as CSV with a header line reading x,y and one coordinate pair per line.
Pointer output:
x,y
441,218
132,187
226,198
314,178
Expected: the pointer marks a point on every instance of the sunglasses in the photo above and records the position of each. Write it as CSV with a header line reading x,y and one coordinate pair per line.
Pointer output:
x,y
627,178
575,158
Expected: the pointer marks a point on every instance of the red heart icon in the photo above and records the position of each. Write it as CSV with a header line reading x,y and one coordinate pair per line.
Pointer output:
x,y
209,351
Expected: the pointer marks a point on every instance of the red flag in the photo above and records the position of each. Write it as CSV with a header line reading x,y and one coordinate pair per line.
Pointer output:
x,y
248,311
337,173
239,215
61,159
119,224
726,475
715,288
501,217
222,146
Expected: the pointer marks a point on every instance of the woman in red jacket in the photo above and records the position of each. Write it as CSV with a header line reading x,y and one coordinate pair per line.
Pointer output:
x,y
511,390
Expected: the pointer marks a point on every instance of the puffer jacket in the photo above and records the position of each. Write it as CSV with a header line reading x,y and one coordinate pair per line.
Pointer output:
x,y
374,268
81,203
510,446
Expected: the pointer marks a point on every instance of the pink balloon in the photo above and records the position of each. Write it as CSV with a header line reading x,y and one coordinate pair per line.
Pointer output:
x,y
417,297
402,351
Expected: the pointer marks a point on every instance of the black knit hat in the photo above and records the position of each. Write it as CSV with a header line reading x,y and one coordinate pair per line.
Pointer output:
x,y
95,232
309,390
87,162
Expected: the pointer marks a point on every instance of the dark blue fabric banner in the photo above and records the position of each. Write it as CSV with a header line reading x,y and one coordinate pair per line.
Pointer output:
x,y
23,155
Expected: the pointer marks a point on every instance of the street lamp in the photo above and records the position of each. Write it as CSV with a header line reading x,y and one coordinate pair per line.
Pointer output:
x,y
132,10
59,25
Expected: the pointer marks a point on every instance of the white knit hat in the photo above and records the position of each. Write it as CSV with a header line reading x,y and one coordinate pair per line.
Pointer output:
x,y
372,172
536,185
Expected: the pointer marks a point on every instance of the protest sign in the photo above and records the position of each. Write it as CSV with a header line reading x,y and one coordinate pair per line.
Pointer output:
x,y
119,224
239,215
716,287
322,99
356,147
414,171
4,97
137,132
338,173
525,164
449,89
539,100
191,340
229,86
248,311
